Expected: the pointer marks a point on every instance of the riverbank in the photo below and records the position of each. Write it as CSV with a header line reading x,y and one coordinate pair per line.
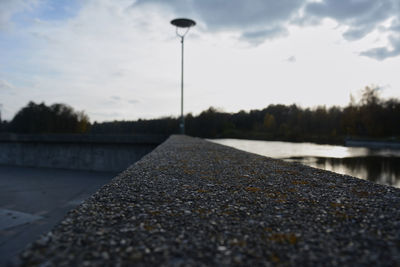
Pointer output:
x,y
193,202
374,144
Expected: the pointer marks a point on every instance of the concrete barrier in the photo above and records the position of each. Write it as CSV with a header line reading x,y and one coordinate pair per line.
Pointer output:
x,y
195,203
78,152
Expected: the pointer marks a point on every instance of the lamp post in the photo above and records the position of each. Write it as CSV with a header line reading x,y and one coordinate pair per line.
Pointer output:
x,y
184,24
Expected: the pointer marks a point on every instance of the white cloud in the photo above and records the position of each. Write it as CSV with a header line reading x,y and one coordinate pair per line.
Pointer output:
x,y
8,8
257,21
259,37
232,14
382,53
362,18
107,51
133,101
116,98
291,59
4,85
116,60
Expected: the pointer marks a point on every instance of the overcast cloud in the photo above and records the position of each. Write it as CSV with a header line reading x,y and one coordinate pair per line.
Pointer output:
x,y
258,21
9,7
119,59
363,17
233,14
255,20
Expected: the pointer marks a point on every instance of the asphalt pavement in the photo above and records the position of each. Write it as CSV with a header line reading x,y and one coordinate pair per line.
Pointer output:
x,y
33,200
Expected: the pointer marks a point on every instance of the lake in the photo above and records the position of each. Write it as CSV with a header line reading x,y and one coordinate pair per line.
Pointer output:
x,y
377,165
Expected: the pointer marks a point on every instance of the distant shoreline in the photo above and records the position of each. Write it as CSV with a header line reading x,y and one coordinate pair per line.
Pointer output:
x,y
372,144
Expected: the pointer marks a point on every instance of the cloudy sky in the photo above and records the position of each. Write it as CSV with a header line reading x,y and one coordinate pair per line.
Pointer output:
x,y
120,59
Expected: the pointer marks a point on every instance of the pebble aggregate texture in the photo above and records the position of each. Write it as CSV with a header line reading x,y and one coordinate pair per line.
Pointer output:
x,y
195,203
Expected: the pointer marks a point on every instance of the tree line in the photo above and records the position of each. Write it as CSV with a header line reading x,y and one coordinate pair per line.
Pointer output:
x,y
369,117
40,118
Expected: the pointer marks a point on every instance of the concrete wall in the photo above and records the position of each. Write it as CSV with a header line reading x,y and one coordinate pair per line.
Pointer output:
x,y
79,152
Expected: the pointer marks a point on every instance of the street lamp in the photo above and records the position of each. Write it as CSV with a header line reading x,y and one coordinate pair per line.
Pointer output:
x,y
185,24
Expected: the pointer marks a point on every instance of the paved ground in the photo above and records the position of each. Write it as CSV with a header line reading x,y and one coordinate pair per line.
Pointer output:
x,y
33,200
195,203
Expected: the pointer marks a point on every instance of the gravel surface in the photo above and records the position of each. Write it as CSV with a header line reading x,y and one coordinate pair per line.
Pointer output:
x,y
193,202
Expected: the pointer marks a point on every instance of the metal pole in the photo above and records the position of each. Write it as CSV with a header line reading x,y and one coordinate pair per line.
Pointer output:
x,y
182,125
185,24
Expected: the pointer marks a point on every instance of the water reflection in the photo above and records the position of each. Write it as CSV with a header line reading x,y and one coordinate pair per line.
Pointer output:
x,y
377,165
382,170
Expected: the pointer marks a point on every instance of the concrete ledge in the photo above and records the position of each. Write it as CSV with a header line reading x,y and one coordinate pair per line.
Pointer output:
x,y
192,202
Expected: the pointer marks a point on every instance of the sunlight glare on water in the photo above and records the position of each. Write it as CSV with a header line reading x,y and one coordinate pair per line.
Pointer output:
x,y
285,150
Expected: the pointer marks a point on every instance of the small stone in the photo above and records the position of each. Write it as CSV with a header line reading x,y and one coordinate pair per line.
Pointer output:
x,y
26,254
44,240
238,258
105,255
86,263
221,248
136,256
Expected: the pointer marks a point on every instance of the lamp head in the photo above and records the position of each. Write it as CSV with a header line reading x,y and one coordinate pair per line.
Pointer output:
x,y
183,23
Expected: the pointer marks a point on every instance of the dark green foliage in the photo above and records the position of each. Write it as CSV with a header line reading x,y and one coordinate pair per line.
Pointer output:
x,y
57,118
371,117
156,126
